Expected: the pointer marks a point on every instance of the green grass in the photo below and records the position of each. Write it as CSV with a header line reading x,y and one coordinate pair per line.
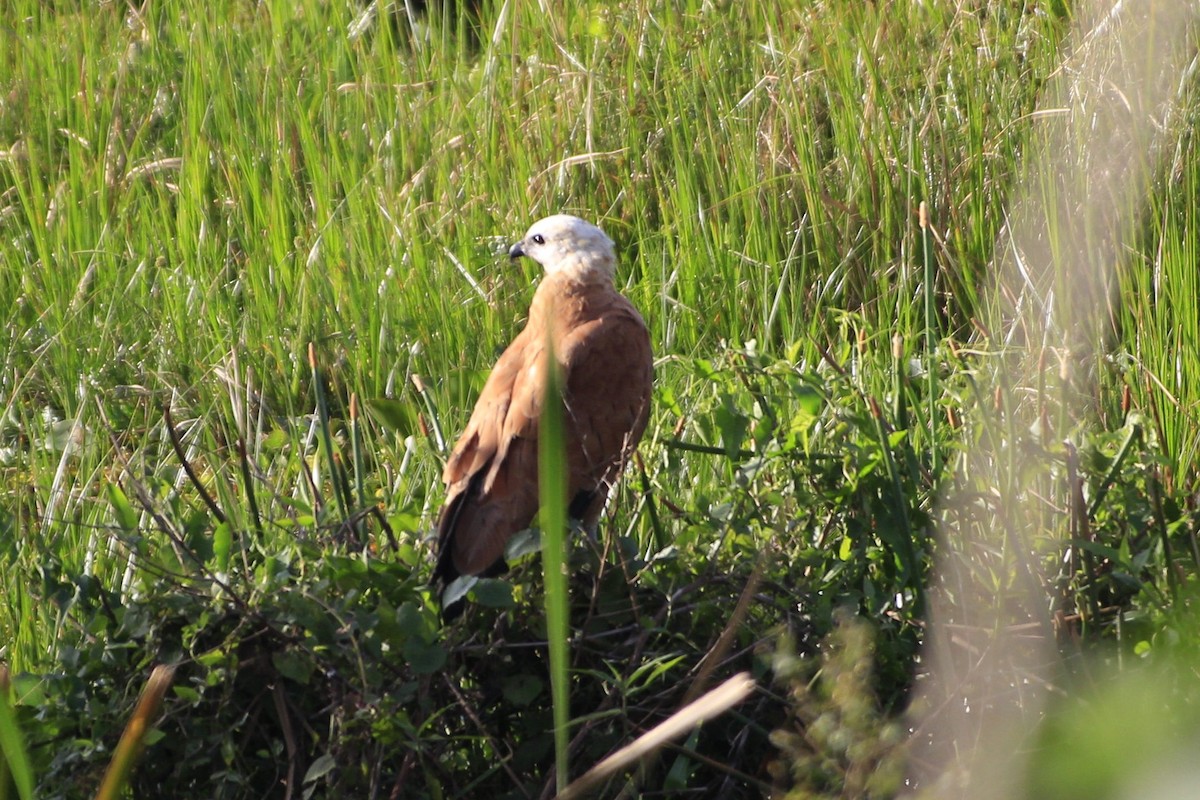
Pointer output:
x,y
192,194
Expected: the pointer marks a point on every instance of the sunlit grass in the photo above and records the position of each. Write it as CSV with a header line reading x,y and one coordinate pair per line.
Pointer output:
x,y
193,194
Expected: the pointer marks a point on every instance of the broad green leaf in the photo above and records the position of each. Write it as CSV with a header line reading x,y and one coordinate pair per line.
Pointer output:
x,y
521,690
424,657
123,512
494,593
275,440
222,545
294,665
392,414
186,693
846,549
321,767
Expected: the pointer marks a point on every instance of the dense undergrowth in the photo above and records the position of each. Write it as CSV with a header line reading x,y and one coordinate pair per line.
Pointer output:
x,y
193,195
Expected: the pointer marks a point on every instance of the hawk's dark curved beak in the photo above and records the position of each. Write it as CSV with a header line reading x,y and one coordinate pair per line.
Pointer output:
x,y
516,251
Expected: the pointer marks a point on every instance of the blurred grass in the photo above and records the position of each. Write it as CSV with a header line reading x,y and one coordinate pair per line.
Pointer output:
x,y
191,193
16,777
553,489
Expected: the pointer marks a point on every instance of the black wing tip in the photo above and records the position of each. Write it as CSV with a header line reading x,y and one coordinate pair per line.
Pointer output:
x,y
581,502
453,611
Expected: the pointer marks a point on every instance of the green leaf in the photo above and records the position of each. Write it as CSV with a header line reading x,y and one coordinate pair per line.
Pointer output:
x,y
125,515
275,440
683,767
294,665
424,657
651,672
222,545
732,424
809,400
846,550
30,690
521,690
494,593
392,414
186,693
522,544
410,619
298,506
405,521
319,768
666,399
704,368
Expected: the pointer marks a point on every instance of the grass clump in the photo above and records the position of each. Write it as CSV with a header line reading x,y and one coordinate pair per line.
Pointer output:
x,y
838,744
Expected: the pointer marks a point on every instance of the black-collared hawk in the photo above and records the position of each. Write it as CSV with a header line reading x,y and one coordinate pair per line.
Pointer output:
x,y
606,366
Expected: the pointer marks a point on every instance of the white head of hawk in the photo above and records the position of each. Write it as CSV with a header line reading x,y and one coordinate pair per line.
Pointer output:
x,y
565,244
602,347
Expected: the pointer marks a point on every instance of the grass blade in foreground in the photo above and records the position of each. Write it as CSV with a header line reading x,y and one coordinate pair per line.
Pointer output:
x,y
14,761
1101,124
719,700
116,777
340,490
552,482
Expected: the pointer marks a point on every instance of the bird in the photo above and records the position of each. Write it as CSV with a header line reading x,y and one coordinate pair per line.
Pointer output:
x,y
604,357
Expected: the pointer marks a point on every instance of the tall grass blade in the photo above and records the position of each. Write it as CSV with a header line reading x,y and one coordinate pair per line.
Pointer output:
x,y
1099,129
116,777
356,450
552,482
719,700
931,339
248,480
14,763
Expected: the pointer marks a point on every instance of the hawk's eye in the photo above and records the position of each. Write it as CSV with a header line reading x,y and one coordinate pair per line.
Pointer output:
x,y
538,238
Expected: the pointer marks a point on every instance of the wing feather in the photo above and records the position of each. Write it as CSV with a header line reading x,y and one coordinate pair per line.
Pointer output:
x,y
491,475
